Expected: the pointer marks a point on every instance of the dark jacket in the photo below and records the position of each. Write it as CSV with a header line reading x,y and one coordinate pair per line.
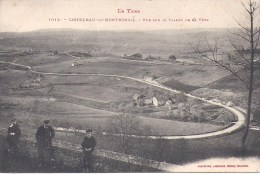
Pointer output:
x,y
89,143
13,133
44,135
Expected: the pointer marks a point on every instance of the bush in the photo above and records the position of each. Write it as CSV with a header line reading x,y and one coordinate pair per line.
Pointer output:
x,y
172,58
137,55
180,98
125,125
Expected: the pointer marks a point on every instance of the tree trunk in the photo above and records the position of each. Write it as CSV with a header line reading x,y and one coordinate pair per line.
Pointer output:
x,y
247,121
251,80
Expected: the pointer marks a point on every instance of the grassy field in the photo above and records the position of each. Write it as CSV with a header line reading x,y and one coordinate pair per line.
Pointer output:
x,y
230,88
98,92
67,114
91,101
193,75
95,93
34,58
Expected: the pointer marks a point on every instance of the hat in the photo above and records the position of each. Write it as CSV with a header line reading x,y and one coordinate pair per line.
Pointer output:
x,y
46,121
88,130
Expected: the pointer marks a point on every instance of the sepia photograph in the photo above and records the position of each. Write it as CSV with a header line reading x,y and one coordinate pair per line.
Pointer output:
x,y
129,86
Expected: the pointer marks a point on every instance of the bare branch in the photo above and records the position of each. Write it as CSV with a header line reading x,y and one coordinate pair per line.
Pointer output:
x,y
226,67
242,26
244,32
257,42
211,50
240,36
239,51
241,63
257,7
245,7
216,43
257,31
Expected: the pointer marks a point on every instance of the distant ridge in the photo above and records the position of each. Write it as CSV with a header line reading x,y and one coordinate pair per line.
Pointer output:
x,y
120,31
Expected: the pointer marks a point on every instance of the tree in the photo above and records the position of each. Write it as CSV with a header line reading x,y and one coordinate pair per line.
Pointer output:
x,y
172,57
246,56
125,125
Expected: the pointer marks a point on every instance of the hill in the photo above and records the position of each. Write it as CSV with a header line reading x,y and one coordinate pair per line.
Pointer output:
x,y
157,43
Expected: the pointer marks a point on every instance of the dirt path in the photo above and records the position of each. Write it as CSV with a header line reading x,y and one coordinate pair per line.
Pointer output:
x,y
237,126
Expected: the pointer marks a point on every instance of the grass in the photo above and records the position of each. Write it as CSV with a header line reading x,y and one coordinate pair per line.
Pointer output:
x,y
192,75
174,151
77,115
76,111
35,58
95,93
232,83
175,84
186,74
229,88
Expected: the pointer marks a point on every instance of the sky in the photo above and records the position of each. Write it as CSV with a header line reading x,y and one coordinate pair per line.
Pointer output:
x,y
29,15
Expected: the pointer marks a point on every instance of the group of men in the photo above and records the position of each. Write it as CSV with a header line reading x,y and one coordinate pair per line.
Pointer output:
x,y
44,136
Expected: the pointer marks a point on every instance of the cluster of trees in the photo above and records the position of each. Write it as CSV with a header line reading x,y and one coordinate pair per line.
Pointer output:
x,y
190,112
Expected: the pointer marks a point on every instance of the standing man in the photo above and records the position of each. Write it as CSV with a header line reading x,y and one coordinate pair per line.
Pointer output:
x,y
13,135
44,136
88,146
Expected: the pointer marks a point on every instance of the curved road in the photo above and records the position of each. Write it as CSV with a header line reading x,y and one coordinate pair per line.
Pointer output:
x,y
237,126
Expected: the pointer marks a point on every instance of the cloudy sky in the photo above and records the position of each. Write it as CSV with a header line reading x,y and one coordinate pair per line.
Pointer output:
x,y
28,15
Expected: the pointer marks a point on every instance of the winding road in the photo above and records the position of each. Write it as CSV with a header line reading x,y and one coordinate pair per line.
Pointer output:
x,y
237,126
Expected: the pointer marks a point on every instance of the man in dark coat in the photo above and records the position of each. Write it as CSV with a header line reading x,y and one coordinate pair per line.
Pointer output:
x,y
13,135
88,146
44,136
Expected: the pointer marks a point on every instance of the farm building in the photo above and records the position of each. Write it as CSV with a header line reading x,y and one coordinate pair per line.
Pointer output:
x,y
150,78
124,55
230,104
150,57
140,103
148,101
173,107
158,101
54,53
168,102
135,56
137,96
76,64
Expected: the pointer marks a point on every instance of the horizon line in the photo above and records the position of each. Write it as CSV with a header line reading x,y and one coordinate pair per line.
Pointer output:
x,y
119,30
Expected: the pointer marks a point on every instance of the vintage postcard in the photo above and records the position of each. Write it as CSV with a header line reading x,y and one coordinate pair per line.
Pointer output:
x,y
129,86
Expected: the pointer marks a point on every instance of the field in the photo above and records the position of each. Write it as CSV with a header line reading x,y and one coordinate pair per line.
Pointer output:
x,y
80,112
82,93
91,100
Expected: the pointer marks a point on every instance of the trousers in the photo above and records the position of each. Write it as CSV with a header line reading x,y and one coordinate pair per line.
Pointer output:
x,y
45,149
88,161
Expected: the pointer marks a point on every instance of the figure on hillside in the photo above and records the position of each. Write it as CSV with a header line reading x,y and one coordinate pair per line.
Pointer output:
x,y
88,146
44,136
12,138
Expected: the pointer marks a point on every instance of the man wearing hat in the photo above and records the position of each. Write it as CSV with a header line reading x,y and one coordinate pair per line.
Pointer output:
x,y
88,146
13,135
44,136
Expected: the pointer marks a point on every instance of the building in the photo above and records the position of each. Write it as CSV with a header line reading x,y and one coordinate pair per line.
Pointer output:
x,y
137,96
